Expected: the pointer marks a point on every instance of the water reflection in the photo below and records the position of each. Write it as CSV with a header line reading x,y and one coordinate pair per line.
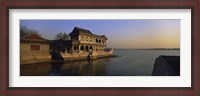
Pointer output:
x,y
70,68
56,68
84,68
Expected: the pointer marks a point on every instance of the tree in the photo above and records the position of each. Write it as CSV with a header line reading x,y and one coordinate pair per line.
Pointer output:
x,y
63,36
24,31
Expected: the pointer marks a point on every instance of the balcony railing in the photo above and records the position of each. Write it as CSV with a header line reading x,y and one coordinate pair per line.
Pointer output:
x,y
92,42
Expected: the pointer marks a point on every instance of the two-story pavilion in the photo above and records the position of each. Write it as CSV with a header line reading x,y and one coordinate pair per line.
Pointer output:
x,y
84,40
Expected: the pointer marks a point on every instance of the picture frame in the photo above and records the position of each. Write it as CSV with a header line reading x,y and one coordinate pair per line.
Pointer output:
x,y
103,4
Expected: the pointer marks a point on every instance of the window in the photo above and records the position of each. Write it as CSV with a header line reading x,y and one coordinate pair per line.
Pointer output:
x,y
81,38
35,47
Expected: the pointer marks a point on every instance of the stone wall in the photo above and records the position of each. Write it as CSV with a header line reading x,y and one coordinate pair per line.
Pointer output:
x,y
27,54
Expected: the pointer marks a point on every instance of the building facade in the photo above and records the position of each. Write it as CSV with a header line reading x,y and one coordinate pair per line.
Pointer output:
x,y
83,40
34,47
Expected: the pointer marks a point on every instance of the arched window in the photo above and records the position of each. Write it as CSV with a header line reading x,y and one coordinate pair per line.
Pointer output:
x,y
86,48
91,47
82,48
96,40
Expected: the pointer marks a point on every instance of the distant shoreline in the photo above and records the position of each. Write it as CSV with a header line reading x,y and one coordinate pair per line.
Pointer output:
x,y
148,49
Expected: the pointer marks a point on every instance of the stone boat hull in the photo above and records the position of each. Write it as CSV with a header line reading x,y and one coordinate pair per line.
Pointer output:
x,y
84,55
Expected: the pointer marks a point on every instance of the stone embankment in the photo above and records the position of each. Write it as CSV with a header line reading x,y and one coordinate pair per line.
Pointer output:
x,y
64,56
167,66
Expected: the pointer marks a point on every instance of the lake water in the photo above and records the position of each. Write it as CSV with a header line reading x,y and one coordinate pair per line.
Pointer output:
x,y
128,63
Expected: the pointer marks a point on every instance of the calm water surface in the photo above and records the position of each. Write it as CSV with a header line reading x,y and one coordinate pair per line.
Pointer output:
x,y
128,63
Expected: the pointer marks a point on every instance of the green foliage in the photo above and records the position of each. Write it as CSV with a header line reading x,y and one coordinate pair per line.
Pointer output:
x,y
63,36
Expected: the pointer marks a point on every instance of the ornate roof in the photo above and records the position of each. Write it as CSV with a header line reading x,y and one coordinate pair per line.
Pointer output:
x,y
79,31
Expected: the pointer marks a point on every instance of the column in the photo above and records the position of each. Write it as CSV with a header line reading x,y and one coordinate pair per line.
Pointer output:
x,y
79,48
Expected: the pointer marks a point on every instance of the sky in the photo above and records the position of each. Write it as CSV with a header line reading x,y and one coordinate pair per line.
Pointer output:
x,y
120,33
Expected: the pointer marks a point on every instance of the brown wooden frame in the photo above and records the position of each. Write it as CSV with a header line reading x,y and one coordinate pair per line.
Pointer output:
x,y
100,4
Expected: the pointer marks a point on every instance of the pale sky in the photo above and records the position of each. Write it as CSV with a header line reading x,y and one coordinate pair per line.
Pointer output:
x,y
120,33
